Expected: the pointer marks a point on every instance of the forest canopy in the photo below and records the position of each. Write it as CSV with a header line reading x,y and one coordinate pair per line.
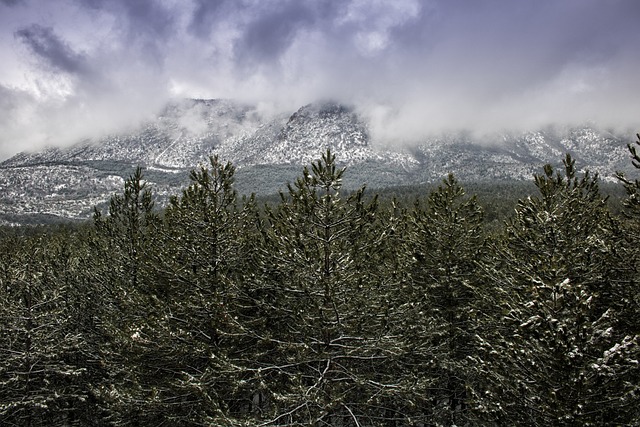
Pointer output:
x,y
326,308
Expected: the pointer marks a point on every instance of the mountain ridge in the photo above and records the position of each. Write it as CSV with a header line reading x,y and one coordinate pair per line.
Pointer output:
x,y
269,150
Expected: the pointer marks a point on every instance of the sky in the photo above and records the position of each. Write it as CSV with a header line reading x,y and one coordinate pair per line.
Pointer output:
x,y
71,69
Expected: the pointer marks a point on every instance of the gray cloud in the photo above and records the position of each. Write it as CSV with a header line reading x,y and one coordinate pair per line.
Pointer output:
x,y
142,18
51,50
271,33
208,13
414,66
144,25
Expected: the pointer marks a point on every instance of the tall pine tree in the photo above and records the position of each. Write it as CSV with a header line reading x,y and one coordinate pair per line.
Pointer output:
x,y
324,344
556,353
439,300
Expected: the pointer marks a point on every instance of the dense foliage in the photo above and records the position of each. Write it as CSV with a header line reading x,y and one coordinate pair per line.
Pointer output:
x,y
326,308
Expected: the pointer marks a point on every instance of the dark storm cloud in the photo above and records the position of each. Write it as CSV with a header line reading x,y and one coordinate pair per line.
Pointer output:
x,y
51,49
11,2
303,47
207,13
273,31
266,29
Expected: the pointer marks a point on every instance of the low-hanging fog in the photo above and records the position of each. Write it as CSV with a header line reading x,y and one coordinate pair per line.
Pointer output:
x,y
80,68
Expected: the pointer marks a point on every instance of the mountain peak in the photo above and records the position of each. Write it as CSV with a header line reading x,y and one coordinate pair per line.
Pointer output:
x,y
269,151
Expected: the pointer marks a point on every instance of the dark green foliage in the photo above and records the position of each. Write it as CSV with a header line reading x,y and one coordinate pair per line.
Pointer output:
x,y
47,370
125,231
629,240
632,187
319,293
556,351
200,257
327,307
119,266
444,242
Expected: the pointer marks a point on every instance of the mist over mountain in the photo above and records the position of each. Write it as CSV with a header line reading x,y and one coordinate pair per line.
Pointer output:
x,y
411,69
269,150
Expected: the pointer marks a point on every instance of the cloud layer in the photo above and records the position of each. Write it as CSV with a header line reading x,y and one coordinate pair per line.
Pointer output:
x,y
79,68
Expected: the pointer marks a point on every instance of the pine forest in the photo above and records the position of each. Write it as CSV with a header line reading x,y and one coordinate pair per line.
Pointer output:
x,y
327,307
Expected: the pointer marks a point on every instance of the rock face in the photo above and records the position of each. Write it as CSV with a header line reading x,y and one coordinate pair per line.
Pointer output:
x,y
269,151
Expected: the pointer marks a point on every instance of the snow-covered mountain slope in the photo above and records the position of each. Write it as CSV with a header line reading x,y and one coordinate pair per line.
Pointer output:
x,y
269,151
520,155
181,136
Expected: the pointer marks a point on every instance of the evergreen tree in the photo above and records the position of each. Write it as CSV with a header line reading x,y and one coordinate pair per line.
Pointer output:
x,y
198,345
324,346
628,241
43,374
119,270
126,229
325,309
555,353
435,309
632,187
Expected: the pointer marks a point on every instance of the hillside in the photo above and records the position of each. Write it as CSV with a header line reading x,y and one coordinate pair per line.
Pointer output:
x,y
269,151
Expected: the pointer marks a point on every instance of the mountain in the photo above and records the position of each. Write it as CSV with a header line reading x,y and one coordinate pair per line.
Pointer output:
x,y
269,150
